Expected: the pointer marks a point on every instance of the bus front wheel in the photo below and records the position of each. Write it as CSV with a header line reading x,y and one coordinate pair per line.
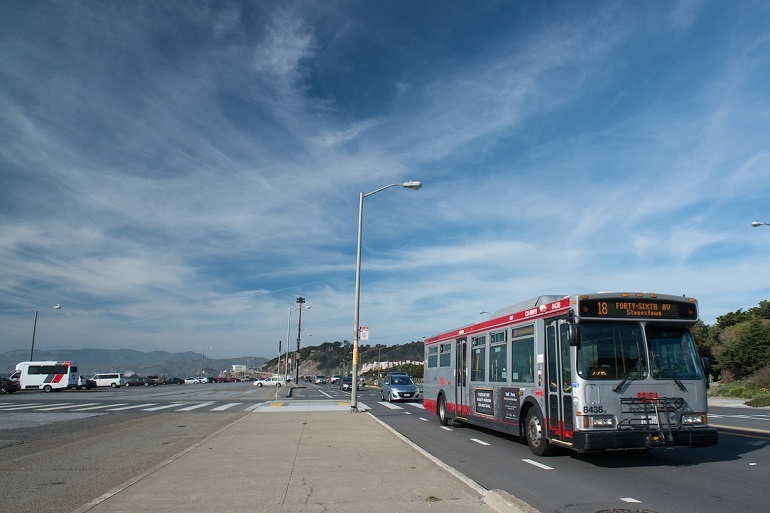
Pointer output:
x,y
442,416
47,388
536,436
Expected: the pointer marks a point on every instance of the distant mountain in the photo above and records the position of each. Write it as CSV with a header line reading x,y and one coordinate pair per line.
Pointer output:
x,y
91,361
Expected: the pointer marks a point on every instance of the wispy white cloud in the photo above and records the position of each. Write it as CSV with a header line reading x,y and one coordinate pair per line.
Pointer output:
x,y
176,181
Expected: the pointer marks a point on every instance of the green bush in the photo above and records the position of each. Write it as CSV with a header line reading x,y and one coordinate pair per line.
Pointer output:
x,y
762,400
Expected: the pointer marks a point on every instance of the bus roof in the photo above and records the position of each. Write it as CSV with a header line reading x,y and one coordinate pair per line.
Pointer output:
x,y
541,306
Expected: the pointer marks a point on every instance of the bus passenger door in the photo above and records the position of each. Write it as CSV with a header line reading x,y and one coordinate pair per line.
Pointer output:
x,y
461,377
559,381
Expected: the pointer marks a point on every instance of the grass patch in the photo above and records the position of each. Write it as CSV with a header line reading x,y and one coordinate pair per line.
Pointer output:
x,y
745,389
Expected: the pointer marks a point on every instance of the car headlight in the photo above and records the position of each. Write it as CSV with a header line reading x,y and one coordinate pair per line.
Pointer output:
x,y
694,418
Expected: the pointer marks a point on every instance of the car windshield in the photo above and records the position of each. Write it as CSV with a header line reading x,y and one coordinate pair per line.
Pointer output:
x,y
401,380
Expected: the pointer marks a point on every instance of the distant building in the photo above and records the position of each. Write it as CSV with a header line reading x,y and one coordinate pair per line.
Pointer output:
x,y
240,368
366,367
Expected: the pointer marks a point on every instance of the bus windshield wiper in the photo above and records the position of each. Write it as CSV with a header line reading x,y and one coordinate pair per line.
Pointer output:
x,y
668,371
627,376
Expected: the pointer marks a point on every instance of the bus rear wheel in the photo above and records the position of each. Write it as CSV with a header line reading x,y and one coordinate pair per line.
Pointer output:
x,y
47,388
442,416
536,436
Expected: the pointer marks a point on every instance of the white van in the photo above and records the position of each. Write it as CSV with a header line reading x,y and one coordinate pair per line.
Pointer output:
x,y
46,376
109,379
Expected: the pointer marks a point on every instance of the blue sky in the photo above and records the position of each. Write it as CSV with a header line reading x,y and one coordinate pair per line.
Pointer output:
x,y
175,174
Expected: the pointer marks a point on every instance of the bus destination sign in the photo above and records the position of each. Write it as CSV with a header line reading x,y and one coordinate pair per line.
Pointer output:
x,y
626,308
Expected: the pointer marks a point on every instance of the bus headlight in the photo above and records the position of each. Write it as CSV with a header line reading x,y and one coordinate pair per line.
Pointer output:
x,y
694,418
603,422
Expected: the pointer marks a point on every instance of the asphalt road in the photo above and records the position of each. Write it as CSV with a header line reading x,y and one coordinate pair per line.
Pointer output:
x,y
731,476
61,450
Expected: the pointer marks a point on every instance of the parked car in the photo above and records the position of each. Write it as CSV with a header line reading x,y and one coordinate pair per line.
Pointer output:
x,y
320,379
272,381
397,387
174,381
191,381
346,383
156,379
84,383
8,386
140,381
109,379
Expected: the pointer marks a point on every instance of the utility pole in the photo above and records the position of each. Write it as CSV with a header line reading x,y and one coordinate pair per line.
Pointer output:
x,y
300,300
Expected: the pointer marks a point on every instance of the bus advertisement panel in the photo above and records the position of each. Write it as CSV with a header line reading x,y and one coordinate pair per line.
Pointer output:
x,y
46,376
588,372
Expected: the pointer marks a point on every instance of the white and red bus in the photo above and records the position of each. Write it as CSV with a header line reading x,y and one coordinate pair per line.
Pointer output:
x,y
588,372
46,376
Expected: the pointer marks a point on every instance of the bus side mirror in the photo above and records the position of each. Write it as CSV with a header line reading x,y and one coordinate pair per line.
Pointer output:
x,y
706,370
574,335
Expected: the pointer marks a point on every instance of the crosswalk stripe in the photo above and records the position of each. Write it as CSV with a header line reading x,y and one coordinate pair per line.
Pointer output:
x,y
224,407
163,407
391,405
99,407
14,406
61,407
194,407
27,407
133,406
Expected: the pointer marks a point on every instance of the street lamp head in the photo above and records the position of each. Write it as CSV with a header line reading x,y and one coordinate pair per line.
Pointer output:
x,y
56,307
757,223
414,185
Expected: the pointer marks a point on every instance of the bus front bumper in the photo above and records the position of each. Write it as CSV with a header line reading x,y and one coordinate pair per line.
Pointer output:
x,y
641,439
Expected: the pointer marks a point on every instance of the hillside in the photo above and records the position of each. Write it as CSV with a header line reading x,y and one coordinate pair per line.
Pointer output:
x,y
335,357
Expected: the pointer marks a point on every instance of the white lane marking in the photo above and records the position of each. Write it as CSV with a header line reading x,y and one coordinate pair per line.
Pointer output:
x,y
408,412
225,406
19,405
446,428
25,407
62,407
424,419
99,407
416,405
131,407
480,442
194,406
629,499
324,393
163,407
539,465
391,405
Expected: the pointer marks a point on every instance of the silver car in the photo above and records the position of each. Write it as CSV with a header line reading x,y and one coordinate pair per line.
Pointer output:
x,y
399,387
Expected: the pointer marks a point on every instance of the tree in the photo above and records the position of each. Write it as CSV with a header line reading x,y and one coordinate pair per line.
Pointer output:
x,y
733,318
749,349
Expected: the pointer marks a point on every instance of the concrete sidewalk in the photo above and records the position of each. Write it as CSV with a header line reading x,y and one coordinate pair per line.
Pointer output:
x,y
284,457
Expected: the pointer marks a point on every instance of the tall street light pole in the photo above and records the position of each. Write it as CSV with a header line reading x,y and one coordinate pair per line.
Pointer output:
x,y
356,327
301,301
34,328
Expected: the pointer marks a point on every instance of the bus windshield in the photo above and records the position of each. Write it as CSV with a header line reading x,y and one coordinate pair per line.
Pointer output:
x,y
611,351
672,353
